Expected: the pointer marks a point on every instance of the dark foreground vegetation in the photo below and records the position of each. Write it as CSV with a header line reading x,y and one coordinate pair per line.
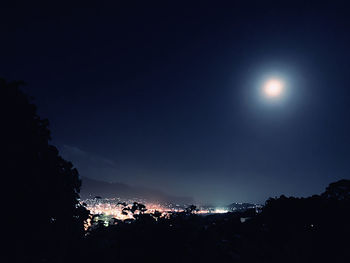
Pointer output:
x,y
314,229
44,221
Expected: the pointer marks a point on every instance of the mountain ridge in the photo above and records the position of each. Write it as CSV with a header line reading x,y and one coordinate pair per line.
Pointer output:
x,y
92,187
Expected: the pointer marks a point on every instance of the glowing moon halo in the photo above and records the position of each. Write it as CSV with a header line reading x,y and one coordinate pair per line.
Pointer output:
x,y
273,88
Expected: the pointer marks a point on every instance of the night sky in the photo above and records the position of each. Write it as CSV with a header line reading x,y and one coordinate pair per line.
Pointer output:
x,y
168,95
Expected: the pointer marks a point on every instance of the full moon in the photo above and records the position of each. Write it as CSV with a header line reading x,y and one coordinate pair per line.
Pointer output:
x,y
273,88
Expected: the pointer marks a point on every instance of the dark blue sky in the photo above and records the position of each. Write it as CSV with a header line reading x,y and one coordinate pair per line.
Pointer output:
x,y
165,96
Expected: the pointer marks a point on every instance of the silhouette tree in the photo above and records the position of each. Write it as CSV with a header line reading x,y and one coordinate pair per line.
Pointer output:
x,y
156,215
191,209
43,187
339,190
141,208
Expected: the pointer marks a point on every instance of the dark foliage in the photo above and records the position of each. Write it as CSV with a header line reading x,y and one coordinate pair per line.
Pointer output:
x,y
314,229
43,215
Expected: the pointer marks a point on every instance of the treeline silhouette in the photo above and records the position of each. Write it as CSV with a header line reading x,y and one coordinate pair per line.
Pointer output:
x,y
44,220
314,229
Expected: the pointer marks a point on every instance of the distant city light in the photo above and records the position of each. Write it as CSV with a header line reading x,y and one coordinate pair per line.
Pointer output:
x,y
220,211
108,210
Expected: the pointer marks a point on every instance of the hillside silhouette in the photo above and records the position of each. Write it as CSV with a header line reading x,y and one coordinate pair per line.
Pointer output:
x,y
91,188
44,219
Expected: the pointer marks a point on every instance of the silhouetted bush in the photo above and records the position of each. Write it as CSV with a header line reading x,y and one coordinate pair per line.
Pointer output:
x,y
44,216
